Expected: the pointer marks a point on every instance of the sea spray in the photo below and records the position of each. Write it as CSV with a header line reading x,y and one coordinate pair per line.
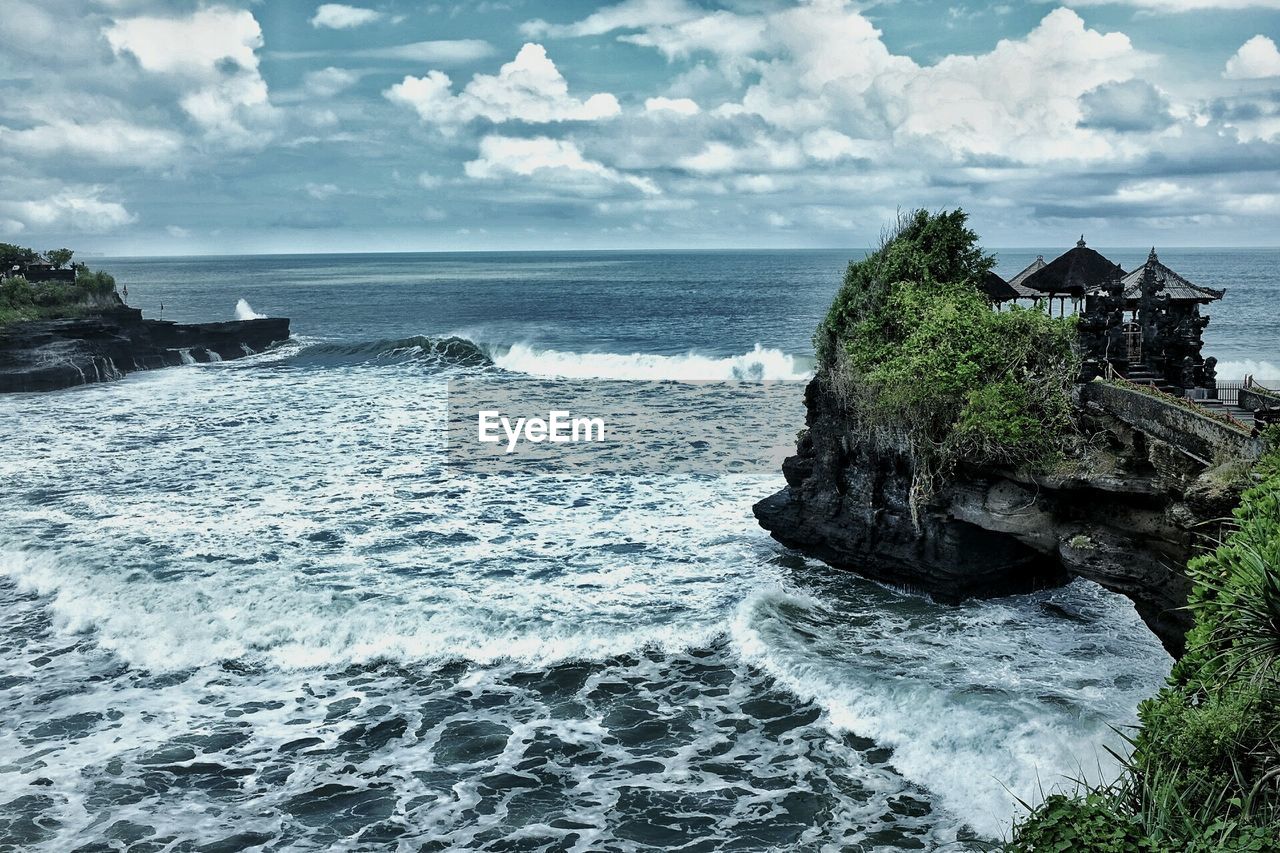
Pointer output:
x,y
244,311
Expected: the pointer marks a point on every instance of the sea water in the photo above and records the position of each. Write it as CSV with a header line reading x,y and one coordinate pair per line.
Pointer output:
x,y
250,606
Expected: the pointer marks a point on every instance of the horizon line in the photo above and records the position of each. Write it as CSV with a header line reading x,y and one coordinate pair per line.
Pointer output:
x,y
654,250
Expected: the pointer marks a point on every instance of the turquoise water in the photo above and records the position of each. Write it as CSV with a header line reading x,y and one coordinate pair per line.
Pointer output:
x,y
250,604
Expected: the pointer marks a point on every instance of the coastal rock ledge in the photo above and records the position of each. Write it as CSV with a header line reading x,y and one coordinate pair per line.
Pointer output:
x,y
1128,520
48,355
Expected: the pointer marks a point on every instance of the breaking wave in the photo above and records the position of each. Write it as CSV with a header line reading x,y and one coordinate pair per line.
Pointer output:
x,y
443,351
1261,370
760,364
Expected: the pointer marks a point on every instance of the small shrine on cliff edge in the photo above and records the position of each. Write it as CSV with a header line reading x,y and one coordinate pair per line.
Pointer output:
x,y
1144,325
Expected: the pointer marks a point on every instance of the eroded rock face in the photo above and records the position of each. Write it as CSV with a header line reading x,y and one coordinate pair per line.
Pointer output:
x,y
988,531
53,354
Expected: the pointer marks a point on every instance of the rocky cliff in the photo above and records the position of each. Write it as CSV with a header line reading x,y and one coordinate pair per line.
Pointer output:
x,y
51,354
1126,515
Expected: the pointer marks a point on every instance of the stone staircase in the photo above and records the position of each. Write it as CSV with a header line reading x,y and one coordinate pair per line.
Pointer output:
x,y
1143,375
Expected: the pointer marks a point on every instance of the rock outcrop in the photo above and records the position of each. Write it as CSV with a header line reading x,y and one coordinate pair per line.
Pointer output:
x,y
48,355
1128,523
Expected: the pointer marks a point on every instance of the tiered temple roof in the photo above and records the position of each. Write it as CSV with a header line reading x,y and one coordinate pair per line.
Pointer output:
x,y
1178,288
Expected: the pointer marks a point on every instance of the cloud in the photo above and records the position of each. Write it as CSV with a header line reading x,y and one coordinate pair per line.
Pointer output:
x,y
211,56
681,106
529,88
71,210
443,51
1256,59
338,16
113,142
321,192
1133,105
719,32
439,51
327,82
632,14
557,161
1177,6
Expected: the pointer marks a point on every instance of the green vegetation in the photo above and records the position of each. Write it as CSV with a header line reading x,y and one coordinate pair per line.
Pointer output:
x,y
21,299
910,343
1204,774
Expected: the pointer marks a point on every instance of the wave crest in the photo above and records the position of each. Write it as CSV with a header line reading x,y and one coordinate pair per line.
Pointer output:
x,y
450,351
761,363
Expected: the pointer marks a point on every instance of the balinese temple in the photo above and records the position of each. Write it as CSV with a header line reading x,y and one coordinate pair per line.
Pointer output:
x,y
1144,325
1071,275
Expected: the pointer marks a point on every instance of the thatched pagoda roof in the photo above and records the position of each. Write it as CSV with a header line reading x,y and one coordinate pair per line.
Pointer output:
x,y
1021,289
1178,288
1073,273
997,289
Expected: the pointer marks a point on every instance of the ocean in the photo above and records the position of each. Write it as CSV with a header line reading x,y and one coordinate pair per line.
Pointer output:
x,y
255,605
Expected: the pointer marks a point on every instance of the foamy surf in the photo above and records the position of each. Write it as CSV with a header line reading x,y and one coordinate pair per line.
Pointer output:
x,y
1263,371
761,363
977,727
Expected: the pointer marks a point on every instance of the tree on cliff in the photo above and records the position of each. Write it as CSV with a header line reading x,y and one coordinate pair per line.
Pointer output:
x,y
59,257
11,254
911,344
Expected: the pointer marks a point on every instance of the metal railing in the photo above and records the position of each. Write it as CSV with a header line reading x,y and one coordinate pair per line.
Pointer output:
x,y
1229,389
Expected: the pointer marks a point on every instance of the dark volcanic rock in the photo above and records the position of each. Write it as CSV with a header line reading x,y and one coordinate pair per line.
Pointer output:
x,y
52,354
849,502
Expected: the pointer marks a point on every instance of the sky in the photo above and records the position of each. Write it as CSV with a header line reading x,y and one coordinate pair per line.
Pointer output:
x,y
148,128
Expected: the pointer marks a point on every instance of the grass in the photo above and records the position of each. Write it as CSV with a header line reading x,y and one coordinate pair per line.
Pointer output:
x,y
1204,771
21,300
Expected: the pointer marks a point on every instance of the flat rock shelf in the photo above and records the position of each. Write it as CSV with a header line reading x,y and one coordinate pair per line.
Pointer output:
x,y
49,355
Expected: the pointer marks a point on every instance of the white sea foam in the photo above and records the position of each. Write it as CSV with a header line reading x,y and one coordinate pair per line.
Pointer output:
x,y
760,363
980,724
244,311
296,521
1261,370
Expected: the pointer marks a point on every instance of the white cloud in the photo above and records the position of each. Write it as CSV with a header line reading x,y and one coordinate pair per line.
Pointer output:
x,y
177,231
682,106
330,81
529,88
321,192
113,142
71,210
1021,100
763,153
339,16
719,32
212,56
631,14
1180,5
826,146
1257,58
200,45
440,51
550,160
